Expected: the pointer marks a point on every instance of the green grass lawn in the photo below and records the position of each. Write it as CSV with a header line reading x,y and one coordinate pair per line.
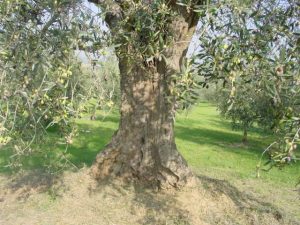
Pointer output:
x,y
205,139
207,142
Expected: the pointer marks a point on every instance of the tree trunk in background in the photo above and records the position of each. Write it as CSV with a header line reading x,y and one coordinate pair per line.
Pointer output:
x,y
144,146
245,136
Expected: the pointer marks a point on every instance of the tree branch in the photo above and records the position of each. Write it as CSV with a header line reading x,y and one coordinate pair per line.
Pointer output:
x,y
49,23
112,9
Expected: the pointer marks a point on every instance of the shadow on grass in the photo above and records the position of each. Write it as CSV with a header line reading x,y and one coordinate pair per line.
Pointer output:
x,y
156,207
244,201
224,123
227,141
218,187
89,145
23,185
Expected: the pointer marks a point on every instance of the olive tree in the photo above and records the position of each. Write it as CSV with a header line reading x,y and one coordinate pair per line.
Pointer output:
x,y
245,110
41,82
151,39
255,52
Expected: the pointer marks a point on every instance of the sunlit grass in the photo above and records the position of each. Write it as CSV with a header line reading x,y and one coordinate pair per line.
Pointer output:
x,y
210,146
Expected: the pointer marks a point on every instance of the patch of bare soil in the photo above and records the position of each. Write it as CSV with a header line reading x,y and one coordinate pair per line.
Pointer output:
x,y
77,199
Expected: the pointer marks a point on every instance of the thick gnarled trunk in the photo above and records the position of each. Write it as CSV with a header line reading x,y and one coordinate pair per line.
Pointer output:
x,y
144,146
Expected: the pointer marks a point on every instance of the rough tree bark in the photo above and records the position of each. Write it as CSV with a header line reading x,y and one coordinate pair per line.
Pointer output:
x,y
144,146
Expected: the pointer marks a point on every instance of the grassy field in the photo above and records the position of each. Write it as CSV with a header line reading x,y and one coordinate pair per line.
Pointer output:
x,y
211,147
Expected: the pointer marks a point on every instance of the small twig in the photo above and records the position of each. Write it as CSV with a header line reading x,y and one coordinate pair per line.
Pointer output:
x,y
259,164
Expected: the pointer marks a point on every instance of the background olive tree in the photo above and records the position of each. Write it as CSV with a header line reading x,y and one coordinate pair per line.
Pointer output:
x,y
255,52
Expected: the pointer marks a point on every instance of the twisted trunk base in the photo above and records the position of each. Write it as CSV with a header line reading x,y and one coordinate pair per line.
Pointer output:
x,y
161,167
